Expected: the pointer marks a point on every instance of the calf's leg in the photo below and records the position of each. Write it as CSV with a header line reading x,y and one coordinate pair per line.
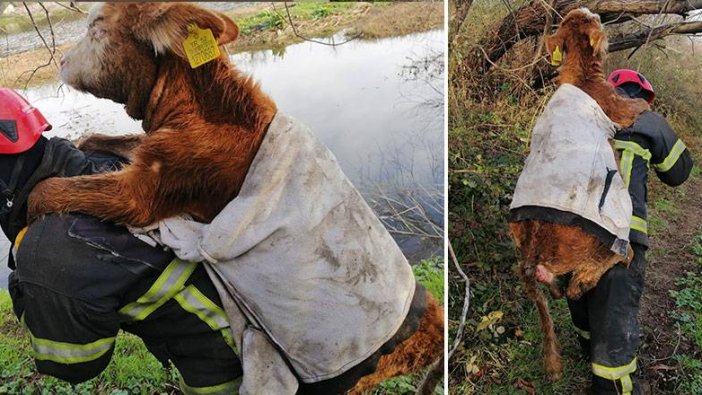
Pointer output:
x,y
412,355
552,357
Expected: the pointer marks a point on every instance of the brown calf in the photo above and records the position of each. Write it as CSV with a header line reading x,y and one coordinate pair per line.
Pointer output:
x,y
203,127
559,249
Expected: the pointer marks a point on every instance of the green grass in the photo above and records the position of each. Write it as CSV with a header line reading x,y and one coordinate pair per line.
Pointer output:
x,y
688,316
133,370
430,273
278,19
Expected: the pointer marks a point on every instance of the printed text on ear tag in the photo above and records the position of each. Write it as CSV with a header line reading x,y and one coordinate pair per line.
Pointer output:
x,y
557,57
200,46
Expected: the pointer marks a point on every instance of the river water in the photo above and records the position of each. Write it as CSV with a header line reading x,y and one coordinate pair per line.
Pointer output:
x,y
378,105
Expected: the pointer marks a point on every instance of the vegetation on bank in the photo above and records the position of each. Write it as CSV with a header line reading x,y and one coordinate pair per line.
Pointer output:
x,y
133,370
265,26
490,122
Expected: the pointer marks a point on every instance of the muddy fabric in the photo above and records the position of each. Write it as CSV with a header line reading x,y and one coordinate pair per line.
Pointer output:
x,y
303,257
571,166
610,336
263,364
650,143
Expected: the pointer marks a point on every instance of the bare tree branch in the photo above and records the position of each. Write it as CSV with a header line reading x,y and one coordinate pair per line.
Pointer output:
x,y
52,49
71,6
462,8
466,303
646,36
530,20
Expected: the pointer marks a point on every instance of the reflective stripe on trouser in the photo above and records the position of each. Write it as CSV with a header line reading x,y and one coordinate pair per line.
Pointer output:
x,y
194,301
617,373
610,312
583,333
168,284
640,224
67,353
228,388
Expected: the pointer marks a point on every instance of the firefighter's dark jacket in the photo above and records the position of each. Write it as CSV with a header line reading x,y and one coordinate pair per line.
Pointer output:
x,y
79,280
60,159
650,142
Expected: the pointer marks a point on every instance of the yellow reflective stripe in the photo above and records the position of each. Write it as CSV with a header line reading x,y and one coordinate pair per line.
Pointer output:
x,y
640,224
194,301
673,156
634,148
627,163
69,353
168,284
20,236
627,385
585,334
614,373
228,388
18,241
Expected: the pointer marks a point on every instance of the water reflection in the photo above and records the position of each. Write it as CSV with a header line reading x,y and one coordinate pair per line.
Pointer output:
x,y
384,126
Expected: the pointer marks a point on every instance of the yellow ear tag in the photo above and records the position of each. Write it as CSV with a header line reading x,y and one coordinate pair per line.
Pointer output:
x,y
557,57
200,46
592,42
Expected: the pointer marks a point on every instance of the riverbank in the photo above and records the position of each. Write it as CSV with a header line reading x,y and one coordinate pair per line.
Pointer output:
x,y
262,26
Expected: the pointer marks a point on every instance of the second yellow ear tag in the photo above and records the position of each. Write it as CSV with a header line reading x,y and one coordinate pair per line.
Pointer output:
x,y
200,46
557,57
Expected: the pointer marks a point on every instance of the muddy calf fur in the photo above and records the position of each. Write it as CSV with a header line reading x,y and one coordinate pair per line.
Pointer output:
x,y
203,128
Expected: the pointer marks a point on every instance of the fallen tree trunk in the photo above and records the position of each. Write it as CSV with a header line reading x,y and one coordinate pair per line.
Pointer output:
x,y
530,19
648,35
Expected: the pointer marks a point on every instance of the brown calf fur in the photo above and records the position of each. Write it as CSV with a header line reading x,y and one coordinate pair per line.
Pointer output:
x,y
203,127
562,249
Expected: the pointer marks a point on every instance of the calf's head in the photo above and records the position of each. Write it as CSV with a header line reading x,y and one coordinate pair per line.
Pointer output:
x,y
578,40
119,55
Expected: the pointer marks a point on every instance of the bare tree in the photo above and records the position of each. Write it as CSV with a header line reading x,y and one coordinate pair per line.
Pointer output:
x,y
530,20
461,8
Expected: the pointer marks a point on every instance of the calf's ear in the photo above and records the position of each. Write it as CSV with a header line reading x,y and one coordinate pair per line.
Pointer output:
x,y
598,41
554,46
231,30
167,25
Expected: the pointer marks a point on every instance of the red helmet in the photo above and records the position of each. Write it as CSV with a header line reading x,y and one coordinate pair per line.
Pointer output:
x,y
20,123
622,76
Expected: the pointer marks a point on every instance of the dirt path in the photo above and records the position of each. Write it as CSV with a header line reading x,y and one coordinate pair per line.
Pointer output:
x,y
669,258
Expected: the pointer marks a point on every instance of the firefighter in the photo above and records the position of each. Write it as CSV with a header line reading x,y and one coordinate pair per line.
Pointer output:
x,y
606,317
77,281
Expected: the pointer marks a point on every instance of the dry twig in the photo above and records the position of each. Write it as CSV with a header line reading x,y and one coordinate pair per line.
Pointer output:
x,y
466,303
52,49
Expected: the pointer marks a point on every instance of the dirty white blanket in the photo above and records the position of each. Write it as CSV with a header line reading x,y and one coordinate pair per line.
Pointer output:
x,y
302,257
569,162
